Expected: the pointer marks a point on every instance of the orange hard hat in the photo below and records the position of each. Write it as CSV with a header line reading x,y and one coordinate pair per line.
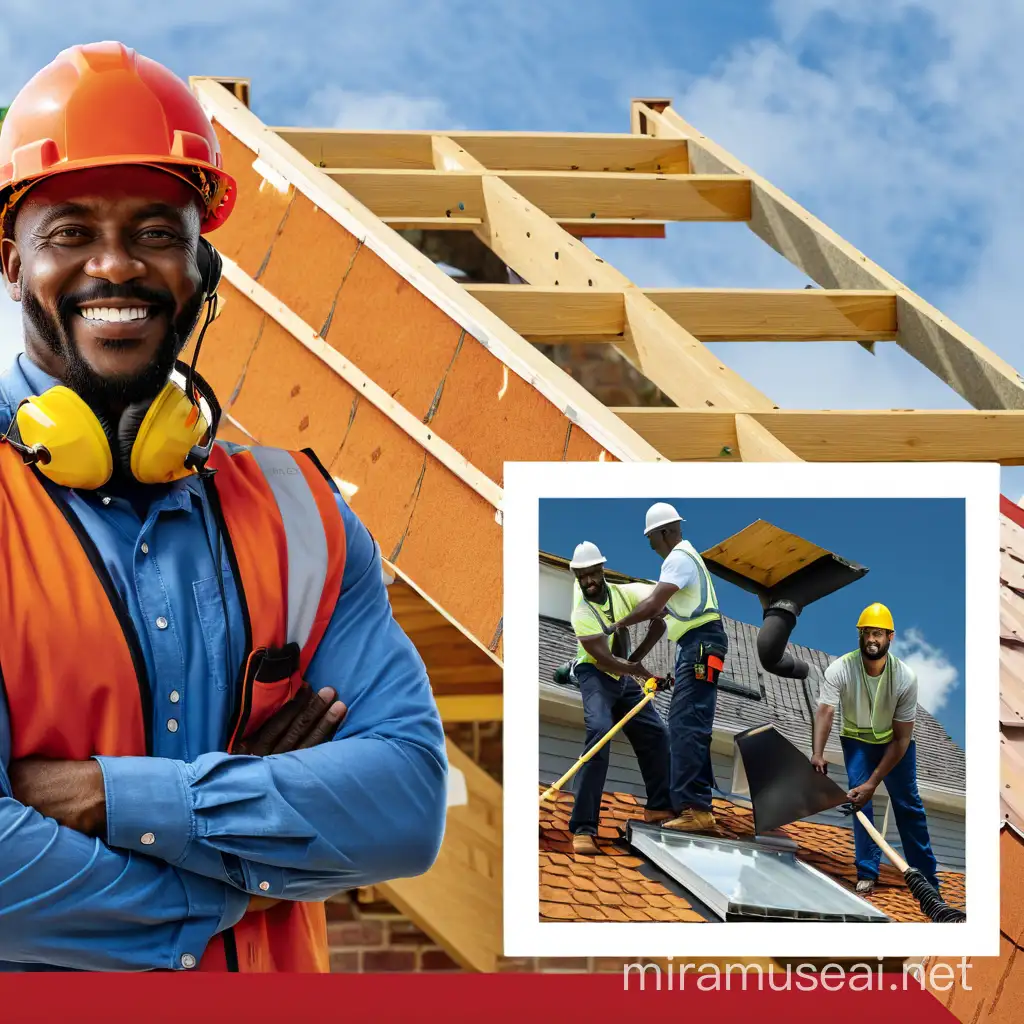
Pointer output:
x,y
101,105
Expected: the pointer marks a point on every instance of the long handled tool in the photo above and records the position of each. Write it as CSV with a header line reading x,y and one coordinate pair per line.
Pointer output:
x,y
650,689
920,888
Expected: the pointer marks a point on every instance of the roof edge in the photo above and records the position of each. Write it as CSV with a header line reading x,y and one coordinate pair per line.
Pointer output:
x,y
1011,510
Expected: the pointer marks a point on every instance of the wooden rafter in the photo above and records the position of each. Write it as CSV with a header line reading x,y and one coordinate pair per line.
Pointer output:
x,y
503,151
541,252
977,374
873,435
580,194
709,314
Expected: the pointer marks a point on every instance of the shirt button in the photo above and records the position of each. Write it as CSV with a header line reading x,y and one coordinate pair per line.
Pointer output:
x,y
264,886
144,548
188,961
161,622
148,839
172,725
175,696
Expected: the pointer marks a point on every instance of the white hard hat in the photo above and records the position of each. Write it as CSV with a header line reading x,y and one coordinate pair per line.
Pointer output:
x,y
661,514
586,555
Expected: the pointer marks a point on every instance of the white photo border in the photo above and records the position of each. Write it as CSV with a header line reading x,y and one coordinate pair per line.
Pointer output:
x,y
525,483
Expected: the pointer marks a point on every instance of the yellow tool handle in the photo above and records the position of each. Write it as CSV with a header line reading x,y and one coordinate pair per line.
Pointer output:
x,y
650,689
899,863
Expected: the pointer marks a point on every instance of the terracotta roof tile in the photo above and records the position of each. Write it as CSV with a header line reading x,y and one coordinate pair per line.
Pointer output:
x,y
557,911
609,883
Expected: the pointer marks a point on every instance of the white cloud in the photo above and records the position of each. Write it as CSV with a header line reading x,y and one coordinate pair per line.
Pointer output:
x,y
936,677
335,107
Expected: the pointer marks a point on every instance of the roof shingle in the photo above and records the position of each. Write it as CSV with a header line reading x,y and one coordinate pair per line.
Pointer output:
x,y
574,888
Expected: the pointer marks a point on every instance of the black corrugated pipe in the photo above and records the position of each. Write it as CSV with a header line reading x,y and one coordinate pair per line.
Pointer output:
x,y
779,622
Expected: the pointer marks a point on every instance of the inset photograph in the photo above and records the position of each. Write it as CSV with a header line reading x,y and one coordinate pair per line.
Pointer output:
x,y
751,709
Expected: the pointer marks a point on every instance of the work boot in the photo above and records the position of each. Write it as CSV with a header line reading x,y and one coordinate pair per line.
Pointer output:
x,y
692,820
654,817
583,844
865,885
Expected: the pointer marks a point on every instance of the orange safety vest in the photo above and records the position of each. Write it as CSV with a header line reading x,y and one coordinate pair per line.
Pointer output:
x,y
59,610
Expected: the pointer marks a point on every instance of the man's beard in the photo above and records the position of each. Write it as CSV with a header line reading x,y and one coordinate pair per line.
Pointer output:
x,y
116,391
883,649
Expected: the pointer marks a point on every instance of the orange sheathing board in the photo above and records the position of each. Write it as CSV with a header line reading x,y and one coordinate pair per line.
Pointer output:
x,y
228,342
583,448
996,986
290,396
252,227
1011,887
453,535
447,532
521,425
311,284
227,432
384,325
392,332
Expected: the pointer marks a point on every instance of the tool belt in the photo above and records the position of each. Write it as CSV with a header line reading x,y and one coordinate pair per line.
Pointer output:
x,y
710,661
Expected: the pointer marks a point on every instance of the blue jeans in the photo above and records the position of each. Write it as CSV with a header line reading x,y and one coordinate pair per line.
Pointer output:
x,y
691,719
605,701
907,807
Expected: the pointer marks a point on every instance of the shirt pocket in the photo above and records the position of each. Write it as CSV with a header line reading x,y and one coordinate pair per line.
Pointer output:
x,y
211,615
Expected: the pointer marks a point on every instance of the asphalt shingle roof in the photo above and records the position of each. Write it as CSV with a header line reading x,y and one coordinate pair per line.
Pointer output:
x,y
940,762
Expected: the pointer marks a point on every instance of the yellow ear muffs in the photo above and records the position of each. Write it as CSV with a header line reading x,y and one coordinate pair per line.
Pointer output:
x,y
77,447
155,439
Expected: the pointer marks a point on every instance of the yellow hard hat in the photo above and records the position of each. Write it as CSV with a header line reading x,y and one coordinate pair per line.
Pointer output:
x,y
878,616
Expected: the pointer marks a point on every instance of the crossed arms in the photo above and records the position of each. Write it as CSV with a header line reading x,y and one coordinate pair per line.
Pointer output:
x,y
188,844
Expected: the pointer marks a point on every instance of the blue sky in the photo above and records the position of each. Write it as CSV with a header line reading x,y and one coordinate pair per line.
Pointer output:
x,y
913,549
892,120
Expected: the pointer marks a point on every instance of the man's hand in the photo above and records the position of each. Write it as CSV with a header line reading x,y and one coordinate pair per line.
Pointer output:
x,y
860,795
70,792
638,671
820,764
307,720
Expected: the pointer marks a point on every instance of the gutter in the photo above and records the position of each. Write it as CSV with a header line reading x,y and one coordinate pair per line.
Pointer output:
x,y
560,705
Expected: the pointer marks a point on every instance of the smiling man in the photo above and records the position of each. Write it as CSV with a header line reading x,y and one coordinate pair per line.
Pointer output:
x,y
607,674
878,696
209,720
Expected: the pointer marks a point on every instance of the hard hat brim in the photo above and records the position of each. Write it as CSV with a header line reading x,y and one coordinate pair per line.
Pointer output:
x,y
657,526
587,565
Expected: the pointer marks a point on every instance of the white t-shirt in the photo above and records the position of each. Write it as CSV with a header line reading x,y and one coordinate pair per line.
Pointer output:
x,y
846,672
679,569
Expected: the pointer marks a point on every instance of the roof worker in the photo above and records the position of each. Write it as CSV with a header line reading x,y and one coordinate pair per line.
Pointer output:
x,y
605,670
685,596
878,696
209,720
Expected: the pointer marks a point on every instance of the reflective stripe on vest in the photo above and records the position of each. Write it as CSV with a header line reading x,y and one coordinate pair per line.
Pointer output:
x,y
53,583
868,703
690,607
582,656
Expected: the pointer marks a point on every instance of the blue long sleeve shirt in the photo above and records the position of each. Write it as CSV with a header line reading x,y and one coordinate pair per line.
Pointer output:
x,y
366,807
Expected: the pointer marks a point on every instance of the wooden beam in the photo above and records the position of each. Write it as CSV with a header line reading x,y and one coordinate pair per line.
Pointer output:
x,y
709,314
565,394
687,371
510,151
420,432
757,444
973,371
562,195
872,435
599,227
538,313
486,707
